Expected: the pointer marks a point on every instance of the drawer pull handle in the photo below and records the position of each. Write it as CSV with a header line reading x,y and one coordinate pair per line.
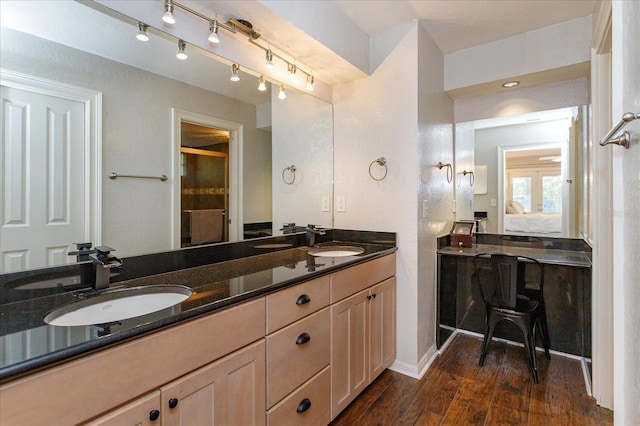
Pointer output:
x,y
173,402
303,299
303,338
304,405
153,415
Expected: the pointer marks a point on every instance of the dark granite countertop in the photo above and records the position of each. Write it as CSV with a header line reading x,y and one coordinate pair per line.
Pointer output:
x,y
29,344
556,251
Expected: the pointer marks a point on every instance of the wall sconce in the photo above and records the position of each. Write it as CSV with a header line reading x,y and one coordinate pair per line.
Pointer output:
x,y
471,177
449,167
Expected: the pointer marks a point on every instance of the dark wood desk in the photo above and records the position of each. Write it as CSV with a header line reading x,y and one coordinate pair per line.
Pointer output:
x,y
567,290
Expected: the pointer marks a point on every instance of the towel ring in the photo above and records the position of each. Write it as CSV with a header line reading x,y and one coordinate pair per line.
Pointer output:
x,y
440,165
292,174
472,178
382,162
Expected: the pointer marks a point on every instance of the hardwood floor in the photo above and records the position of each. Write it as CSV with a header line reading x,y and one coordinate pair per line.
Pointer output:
x,y
456,391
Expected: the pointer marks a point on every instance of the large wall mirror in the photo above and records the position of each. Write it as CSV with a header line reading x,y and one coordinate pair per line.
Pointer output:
x,y
531,173
140,107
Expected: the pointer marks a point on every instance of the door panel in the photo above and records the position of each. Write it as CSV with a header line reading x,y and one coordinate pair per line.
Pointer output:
x,y
43,196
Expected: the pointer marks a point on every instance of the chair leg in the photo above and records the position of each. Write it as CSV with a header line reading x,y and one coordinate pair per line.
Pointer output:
x,y
530,347
488,334
546,342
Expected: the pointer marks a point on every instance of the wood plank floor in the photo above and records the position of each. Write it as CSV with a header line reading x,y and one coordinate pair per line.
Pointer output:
x,y
456,391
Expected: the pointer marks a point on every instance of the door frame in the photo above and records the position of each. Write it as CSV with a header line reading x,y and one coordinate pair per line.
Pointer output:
x,y
234,218
92,101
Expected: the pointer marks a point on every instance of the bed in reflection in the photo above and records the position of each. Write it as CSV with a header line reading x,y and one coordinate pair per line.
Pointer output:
x,y
549,224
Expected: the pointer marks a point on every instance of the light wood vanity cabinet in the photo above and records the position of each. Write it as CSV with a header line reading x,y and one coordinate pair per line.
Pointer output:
x,y
363,331
296,356
297,353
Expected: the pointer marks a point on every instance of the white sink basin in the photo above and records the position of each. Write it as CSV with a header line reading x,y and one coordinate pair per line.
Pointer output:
x,y
117,305
335,251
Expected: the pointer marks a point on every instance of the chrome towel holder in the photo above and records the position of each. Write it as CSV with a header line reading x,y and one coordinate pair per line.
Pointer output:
x,y
625,137
382,162
292,174
114,175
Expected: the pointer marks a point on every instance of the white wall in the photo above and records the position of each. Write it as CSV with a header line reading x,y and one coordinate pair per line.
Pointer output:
x,y
305,142
626,227
401,113
560,94
375,117
136,135
548,48
487,142
435,194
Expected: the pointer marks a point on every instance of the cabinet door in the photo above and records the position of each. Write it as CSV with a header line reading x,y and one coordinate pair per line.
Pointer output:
x,y
382,326
230,391
349,350
144,411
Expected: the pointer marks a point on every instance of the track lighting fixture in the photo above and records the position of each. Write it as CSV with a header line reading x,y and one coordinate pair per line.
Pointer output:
x,y
269,58
292,71
213,34
262,85
142,32
281,94
310,83
181,46
168,12
235,69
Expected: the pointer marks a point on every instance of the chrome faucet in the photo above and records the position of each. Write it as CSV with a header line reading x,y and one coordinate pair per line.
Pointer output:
x,y
311,232
103,261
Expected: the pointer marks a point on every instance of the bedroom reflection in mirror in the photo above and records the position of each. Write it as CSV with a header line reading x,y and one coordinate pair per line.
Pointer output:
x,y
534,191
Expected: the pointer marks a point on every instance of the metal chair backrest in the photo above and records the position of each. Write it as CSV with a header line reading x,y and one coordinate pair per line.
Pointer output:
x,y
505,272
505,280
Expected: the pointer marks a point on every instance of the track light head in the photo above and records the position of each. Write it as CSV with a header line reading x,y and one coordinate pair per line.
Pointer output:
x,y
269,59
181,54
281,94
310,83
213,32
235,72
262,86
168,12
292,71
142,32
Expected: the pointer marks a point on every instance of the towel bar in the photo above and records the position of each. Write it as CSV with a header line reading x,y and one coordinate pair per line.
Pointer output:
x,y
622,140
114,175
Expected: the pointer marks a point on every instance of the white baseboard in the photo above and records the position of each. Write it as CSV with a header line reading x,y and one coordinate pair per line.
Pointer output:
x,y
417,371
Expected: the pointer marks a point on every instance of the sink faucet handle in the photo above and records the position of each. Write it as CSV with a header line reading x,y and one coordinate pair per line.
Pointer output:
x,y
104,250
104,256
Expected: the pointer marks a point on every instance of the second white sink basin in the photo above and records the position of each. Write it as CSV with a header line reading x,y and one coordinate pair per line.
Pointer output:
x,y
117,305
335,251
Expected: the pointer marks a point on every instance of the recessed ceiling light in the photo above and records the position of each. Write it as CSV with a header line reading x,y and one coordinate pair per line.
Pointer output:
x,y
510,84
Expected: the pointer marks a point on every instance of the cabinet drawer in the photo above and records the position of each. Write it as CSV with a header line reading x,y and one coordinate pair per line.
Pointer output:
x,y
291,304
296,353
309,405
352,280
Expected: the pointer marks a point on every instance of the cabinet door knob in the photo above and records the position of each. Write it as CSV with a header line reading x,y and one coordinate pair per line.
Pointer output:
x,y
369,297
173,402
303,338
154,414
303,299
304,405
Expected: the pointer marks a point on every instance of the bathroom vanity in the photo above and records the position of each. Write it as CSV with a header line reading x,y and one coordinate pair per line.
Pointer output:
x,y
275,337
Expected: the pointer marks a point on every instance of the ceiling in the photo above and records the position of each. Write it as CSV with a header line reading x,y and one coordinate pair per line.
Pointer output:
x,y
453,24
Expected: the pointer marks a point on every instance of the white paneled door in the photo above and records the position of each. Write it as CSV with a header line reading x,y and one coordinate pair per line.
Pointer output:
x,y
43,182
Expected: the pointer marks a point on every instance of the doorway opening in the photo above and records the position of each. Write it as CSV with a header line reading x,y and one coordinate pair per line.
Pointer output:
x,y
202,132
204,184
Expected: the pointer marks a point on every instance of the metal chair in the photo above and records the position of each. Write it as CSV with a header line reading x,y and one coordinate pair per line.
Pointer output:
x,y
510,299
